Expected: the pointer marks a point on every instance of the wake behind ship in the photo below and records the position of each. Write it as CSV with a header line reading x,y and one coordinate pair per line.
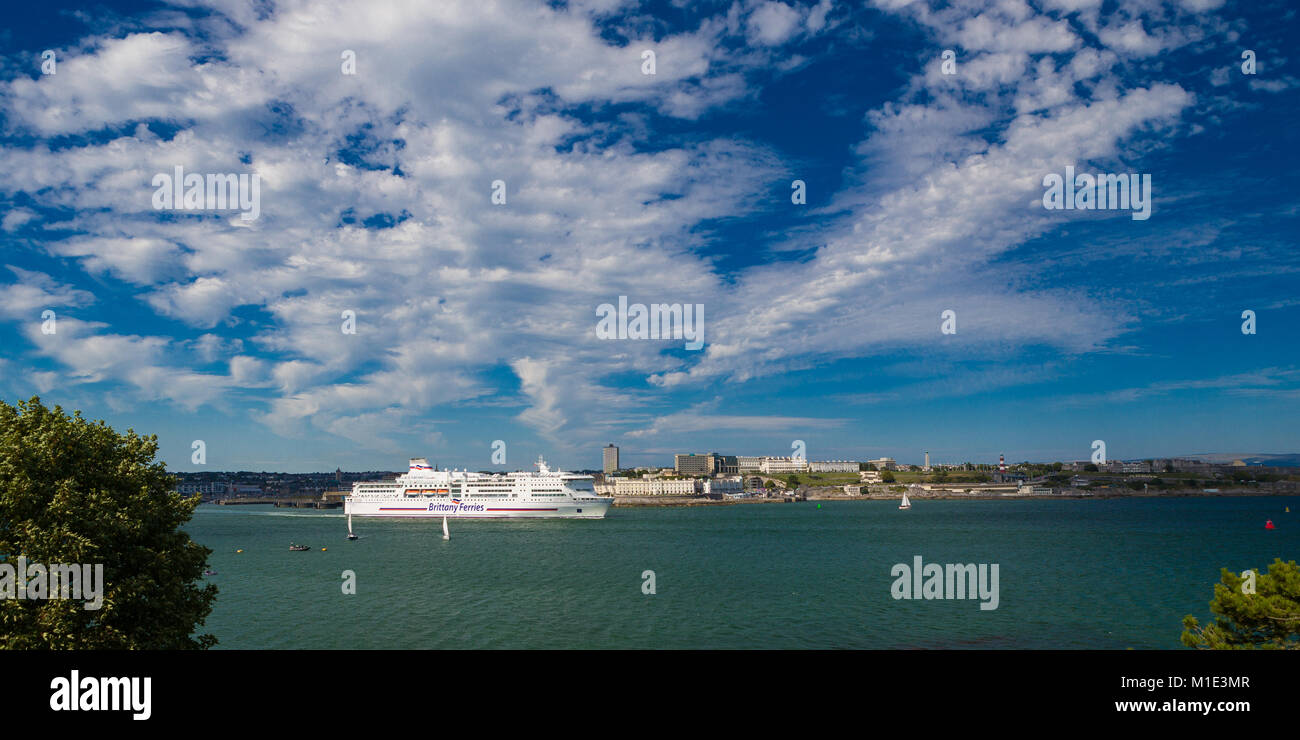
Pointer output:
x,y
425,493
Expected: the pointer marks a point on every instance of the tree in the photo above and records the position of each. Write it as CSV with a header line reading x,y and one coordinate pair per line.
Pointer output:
x,y
887,477
1090,468
1265,616
77,492
792,480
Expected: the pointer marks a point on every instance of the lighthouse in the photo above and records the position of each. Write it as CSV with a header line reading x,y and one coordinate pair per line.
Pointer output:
x,y
1002,464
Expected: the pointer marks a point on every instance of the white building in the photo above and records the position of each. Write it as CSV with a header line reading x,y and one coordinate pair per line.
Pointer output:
x,y
783,465
884,463
748,464
869,476
722,485
833,466
647,487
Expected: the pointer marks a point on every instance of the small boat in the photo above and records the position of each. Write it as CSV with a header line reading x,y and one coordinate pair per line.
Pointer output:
x,y
1269,524
446,535
905,504
299,548
209,572
350,535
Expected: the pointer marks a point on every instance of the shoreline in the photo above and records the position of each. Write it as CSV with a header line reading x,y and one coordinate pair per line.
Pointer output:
x,y
662,501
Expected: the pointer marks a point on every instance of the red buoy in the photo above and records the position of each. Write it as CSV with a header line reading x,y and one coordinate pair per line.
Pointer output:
x,y
1269,524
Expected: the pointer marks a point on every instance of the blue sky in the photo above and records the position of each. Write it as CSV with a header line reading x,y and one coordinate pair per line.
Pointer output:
x,y
477,321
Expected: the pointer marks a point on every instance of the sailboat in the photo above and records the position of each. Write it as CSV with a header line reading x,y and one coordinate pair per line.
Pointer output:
x,y
905,504
350,535
445,534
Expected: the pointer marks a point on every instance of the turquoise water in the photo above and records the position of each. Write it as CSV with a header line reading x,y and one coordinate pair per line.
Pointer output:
x,y
1113,573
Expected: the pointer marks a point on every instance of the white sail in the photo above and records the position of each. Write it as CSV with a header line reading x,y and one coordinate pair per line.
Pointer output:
x,y
905,504
445,534
349,522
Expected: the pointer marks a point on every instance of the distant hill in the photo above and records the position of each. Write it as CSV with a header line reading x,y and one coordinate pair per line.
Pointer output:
x,y
1291,460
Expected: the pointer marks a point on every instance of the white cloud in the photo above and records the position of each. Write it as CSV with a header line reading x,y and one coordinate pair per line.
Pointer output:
x,y
772,23
595,210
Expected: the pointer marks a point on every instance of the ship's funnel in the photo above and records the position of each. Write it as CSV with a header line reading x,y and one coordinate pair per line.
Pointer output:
x,y
420,463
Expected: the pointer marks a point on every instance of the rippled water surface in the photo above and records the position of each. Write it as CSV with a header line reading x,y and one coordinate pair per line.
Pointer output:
x,y
1072,574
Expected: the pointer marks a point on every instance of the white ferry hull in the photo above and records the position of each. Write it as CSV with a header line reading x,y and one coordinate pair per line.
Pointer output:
x,y
502,510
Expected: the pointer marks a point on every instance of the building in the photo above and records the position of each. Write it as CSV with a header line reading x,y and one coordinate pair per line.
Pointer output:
x,y
869,476
927,461
833,466
1028,490
644,487
713,486
748,464
693,464
783,466
610,458
884,463
209,488
710,464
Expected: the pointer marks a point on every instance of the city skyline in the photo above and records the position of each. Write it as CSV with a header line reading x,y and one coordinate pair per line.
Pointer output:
x,y
857,223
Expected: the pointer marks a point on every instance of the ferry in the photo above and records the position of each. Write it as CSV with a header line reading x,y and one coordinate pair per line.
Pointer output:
x,y
426,493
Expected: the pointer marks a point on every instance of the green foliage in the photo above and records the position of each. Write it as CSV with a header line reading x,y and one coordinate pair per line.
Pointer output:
x,y
887,477
75,491
1266,619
